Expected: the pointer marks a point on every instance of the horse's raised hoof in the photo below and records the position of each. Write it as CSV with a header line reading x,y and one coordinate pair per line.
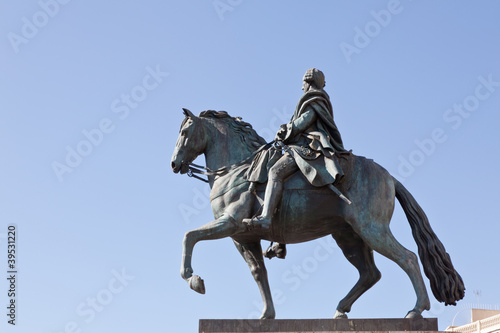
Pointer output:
x,y
339,315
196,283
413,314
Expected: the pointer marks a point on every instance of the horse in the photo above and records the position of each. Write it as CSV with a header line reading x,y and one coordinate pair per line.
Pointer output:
x,y
306,213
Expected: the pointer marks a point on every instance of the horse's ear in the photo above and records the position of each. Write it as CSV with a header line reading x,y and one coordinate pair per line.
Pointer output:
x,y
188,113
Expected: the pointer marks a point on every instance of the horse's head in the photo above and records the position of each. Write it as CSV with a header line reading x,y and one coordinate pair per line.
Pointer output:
x,y
190,144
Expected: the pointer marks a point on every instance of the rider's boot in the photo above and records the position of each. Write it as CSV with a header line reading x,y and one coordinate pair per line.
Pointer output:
x,y
273,193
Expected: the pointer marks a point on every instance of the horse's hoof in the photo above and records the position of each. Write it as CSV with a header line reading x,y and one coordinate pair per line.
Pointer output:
x,y
339,315
413,314
268,315
196,283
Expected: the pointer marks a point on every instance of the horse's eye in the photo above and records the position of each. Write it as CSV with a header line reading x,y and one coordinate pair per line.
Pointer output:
x,y
183,132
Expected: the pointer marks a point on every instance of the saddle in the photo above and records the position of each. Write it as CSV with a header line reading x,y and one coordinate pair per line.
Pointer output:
x,y
254,173
297,181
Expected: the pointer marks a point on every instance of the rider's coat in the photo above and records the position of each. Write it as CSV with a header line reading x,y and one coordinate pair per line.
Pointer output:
x,y
314,138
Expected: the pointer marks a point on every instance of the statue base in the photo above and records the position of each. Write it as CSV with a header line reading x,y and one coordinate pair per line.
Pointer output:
x,y
318,325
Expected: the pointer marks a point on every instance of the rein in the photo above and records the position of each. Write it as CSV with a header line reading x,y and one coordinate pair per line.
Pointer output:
x,y
194,169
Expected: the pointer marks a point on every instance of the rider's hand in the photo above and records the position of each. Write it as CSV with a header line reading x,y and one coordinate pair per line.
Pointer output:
x,y
281,133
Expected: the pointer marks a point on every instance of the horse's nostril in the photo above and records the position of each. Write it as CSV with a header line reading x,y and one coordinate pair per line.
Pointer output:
x,y
173,165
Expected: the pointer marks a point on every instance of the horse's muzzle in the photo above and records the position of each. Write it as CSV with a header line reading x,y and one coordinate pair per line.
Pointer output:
x,y
182,167
175,167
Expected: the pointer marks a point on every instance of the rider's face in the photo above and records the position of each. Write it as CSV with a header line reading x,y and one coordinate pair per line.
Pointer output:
x,y
305,86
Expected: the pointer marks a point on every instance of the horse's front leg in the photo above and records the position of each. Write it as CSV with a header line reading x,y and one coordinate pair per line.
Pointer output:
x,y
224,226
252,253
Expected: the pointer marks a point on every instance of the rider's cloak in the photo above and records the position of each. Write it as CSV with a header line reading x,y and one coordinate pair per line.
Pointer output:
x,y
313,139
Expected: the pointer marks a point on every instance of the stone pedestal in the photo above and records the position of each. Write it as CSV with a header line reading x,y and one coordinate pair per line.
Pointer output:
x,y
425,325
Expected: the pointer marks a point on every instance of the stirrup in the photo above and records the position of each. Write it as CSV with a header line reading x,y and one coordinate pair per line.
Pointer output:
x,y
256,221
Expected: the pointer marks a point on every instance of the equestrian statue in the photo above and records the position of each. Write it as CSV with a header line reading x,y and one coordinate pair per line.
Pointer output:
x,y
302,186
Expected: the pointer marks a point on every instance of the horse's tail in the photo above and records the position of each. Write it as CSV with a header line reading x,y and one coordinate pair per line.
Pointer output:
x,y
446,284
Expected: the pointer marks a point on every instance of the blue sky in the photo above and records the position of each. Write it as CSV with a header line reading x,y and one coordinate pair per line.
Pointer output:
x,y
415,85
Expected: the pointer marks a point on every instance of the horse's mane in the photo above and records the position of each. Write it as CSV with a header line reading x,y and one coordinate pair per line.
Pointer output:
x,y
246,132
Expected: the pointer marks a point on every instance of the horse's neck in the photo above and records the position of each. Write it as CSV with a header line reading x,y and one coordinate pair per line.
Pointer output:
x,y
224,146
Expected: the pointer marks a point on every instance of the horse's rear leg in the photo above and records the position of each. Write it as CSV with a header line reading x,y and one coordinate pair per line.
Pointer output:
x,y
224,226
379,237
361,256
252,253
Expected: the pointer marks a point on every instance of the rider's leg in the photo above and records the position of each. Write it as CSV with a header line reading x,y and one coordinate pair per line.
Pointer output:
x,y
283,168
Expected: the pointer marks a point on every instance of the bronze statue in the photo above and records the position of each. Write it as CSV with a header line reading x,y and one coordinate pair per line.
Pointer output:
x,y
310,207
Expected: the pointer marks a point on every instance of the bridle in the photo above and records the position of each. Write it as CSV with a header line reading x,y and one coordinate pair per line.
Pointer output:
x,y
194,169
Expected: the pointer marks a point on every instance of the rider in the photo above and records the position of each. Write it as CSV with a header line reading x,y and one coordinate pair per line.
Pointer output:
x,y
312,139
